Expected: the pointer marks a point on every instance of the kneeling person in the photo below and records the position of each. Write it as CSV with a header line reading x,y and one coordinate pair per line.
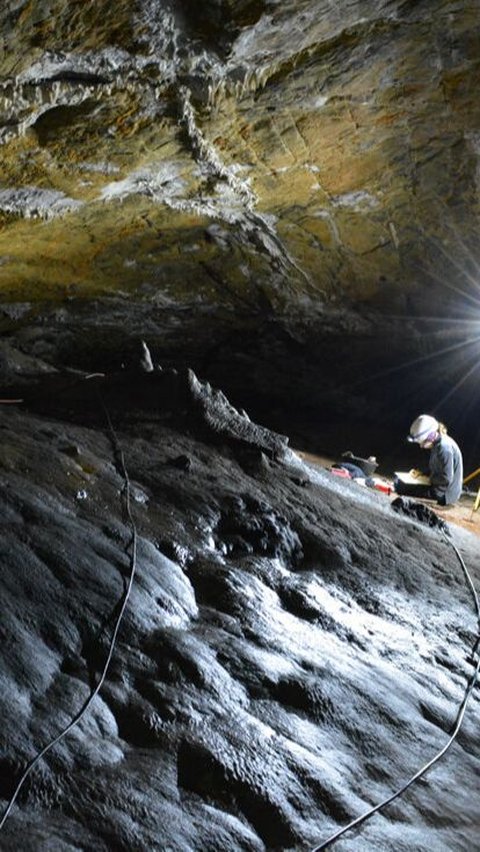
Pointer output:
x,y
445,462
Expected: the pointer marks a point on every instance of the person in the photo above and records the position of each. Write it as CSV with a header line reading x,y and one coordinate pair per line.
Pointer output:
x,y
445,462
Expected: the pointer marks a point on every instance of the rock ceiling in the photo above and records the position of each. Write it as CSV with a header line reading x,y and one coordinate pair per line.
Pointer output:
x,y
275,160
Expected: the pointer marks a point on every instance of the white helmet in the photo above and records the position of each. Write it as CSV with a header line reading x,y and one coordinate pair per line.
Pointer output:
x,y
422,428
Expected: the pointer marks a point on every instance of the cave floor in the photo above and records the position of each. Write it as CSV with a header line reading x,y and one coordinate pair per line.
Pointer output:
x,y
462,514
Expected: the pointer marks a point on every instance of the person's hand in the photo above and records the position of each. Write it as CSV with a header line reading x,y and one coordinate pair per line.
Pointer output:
x,y
415,473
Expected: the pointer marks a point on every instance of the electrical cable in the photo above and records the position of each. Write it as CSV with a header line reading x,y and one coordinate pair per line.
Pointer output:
x,y
461,712
132,546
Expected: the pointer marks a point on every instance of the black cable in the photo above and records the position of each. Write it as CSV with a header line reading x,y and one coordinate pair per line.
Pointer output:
x,y
133,563
470,687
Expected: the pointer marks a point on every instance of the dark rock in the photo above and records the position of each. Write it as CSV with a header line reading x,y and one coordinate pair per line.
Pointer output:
x,y
181,463
269,637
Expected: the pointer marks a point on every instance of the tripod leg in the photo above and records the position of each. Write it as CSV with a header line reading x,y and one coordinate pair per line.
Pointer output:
x,y
477,501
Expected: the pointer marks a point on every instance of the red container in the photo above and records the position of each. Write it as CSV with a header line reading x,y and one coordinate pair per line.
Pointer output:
x,y
386,489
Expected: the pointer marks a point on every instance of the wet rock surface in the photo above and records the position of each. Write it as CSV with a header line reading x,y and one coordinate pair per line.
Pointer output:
x,y
291,652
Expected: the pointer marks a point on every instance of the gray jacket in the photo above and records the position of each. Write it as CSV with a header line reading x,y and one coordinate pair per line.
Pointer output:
x,y
446,471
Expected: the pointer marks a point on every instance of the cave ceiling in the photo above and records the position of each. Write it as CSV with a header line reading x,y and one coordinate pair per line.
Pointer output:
x,y
269,192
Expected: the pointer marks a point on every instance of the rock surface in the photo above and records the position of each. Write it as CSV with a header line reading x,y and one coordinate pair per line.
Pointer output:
x,y
267,169
291,652
274,207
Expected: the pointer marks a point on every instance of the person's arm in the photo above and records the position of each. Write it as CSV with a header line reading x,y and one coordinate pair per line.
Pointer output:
x,y
441,473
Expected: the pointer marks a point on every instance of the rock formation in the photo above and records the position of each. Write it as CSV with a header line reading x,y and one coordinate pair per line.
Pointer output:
x,y
274,208
291,650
